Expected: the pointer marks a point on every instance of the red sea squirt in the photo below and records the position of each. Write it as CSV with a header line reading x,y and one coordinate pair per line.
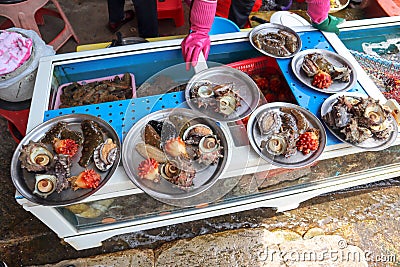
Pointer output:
x,y
148,169
86,179
65,146
322,80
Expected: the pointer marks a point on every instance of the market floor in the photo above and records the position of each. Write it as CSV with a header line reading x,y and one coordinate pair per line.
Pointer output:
x,y
366,217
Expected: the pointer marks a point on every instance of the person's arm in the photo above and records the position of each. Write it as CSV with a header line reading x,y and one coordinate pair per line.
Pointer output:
x,y
318,11
202,15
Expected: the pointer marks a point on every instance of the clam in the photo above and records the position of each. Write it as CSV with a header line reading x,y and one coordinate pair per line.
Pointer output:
x,y
45,184
269,122
105,155
35,157
275,145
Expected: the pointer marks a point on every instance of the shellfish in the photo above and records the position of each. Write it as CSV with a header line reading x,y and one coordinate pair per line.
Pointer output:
x,y
35,157
62,170
151,136
269,122
194,133
45,185
105,155
170,170
275,145
209,150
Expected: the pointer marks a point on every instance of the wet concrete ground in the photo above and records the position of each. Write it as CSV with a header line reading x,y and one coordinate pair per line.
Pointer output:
x,y
366,217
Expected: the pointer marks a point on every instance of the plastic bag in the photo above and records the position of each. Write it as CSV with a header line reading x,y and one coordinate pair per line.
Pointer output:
x,y
40,49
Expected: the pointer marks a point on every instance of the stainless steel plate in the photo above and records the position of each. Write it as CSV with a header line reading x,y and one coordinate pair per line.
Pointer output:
x,y
296,160
243,84
24,181
164,190
273,27
370,144
333,58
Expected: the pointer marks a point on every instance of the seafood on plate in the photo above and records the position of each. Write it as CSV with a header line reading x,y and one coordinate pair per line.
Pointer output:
x,y
286,131
54,159
177,154
281,43
359,118
222,98
36,157
323,73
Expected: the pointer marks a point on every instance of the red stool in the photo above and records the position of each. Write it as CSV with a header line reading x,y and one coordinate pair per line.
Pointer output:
x,y
29,14
17,121
171,9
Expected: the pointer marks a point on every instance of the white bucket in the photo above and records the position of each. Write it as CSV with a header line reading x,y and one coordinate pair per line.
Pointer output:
x,y
21,90
18,85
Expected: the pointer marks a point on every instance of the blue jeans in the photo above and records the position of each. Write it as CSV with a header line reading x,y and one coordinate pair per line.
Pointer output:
x,y
146,14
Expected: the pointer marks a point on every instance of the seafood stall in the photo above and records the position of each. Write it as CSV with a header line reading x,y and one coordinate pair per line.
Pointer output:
x,y
258,125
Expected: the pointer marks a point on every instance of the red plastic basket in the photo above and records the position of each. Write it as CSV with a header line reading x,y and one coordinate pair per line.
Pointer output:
x,y
265,67
257,66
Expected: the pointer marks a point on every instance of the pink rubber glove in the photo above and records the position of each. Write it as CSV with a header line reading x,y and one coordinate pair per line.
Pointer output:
x,y
318,10
201,19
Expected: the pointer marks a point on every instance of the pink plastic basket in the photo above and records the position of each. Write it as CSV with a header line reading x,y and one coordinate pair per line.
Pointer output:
x,y
57,102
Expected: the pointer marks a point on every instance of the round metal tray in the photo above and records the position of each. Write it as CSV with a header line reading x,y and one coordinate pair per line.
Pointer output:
x,y
273,27
242,83
24,181
333,58
164,190
296,160
370,144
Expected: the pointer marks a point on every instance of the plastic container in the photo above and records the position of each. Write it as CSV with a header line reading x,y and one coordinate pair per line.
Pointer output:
x,y
18,86
60,89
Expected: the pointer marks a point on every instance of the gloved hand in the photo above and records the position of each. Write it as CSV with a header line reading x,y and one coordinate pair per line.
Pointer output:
x,y
330,24
318,11
201,19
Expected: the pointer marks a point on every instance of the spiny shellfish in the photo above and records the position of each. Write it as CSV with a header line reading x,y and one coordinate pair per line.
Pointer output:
x,y
209,150
62,170
105,155
45,184
35,157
